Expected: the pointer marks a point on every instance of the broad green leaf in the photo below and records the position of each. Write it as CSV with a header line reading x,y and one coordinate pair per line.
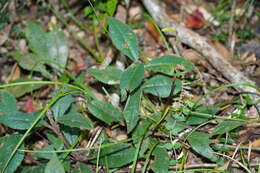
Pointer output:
x,y
48,49
158,85
123,38
36,37
200,143
116,156
75,119
201,114
226,126
131,111
105,111
7,145
21,90
30,62
162,161
175,127
61,106
54,166
177,87
58,50
111,7
82,168
132,77
111,75
8,103
70,133
168,64
39,168
20,120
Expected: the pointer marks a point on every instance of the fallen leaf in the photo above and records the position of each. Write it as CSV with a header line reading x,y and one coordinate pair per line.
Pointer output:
x,y
195,20
30,106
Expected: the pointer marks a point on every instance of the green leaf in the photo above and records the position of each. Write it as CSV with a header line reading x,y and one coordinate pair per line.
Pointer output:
x,y
111,75
111,7
177,86
8,103
162,161
30,62
132,77
20,120
36,37
116,156
200,143
61,106
58,50
54,166
203,113
123,38
226,126
21,90
75,119
131,111
105,111
48,49
168,64
82,168
39,168
70,133
158,85
7,145
175,127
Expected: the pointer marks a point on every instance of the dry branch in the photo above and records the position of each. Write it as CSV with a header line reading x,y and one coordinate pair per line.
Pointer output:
x,y
197,42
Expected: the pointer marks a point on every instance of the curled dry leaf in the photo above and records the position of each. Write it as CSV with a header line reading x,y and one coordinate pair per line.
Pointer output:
x,y
195,20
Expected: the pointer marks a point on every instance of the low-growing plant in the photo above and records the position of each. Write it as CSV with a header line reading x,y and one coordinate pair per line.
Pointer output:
x,y
155,129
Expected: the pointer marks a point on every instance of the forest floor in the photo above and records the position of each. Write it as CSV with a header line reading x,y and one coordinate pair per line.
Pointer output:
x,y
130,86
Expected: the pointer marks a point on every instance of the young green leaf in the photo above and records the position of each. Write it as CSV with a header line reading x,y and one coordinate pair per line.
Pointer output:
x,y
8,103
54,166
20,120
111,75
158,85
111,7
7,144
200,143
131,111
123,38
75,119
168,64
226,126
105,111
132,77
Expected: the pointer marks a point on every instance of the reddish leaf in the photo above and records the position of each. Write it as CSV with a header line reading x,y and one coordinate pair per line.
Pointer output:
x,y
29,106
195,20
